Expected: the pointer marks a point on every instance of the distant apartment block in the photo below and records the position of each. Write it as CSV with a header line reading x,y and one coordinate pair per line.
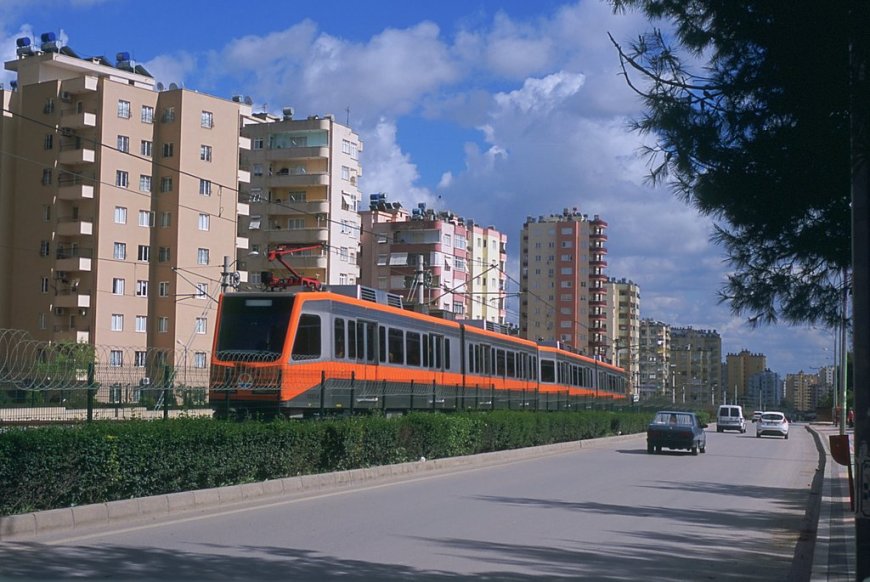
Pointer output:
x,y
562,274
657,376
696,355
739,368
803,391
118,202
623,310
303,197
764,391
436,261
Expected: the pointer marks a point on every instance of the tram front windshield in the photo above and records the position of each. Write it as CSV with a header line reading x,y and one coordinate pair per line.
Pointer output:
x,y
253,327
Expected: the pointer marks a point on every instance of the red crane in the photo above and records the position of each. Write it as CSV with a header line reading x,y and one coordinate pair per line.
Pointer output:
x,y
295,279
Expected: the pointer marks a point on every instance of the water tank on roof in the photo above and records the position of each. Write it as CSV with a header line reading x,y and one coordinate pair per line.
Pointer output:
x,y
24,48
49,42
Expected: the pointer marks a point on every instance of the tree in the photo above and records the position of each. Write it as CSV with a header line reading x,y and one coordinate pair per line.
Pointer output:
x,y
751,118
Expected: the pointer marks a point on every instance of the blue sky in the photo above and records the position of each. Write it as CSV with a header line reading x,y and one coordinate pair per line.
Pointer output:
x,y
493,110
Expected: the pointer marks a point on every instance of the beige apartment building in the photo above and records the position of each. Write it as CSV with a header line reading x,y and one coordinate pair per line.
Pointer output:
x,y
303,196
118,202
564,296
657,374
803,391
623,310
437,260
739,368
696,355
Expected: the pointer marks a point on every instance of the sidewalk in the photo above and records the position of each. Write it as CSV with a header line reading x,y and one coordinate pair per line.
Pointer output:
x,y
834,556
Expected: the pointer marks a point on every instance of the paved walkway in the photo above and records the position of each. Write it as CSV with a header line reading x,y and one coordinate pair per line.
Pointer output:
x,y
834,557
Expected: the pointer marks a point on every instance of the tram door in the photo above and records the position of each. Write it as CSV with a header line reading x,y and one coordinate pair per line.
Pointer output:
x,y
366,351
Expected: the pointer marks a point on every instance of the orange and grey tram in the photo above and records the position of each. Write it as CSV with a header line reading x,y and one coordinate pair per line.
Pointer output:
x,y
352,348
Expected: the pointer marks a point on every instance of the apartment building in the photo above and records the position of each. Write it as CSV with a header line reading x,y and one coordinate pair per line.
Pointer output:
x,y
623,311
563,278
657,375
803,391
118,201
434,259
764,391
696,355
738,369
303,196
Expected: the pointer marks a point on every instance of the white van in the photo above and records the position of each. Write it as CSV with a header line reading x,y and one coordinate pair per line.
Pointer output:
x,y
730,418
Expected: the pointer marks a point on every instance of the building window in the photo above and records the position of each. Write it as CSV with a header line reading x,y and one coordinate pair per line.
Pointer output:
x,y
123,109
46,213
168,150
163,288
144,253
199,360
142,288
139,358
345,173
254,223
205,187
116,358
257,169
122,179
162,324
120,251
258,143
44,248
120,215
123,143
117,286
207,119
141,323
46,177
49,106
295,223
205,153
48,142
204,222
147,114
165,219
144,183
202,256
201,290
168,115
146,148
117,322
166,184
163,255
43,285
201,325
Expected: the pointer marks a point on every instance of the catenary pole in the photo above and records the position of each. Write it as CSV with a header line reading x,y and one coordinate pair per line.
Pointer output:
x,y
859,95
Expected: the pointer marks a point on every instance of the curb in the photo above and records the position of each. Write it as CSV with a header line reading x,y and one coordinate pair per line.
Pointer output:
x,y
27,525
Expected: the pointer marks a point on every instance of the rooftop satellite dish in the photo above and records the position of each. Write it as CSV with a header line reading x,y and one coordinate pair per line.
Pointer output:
x,y
173,86
248,100
159,86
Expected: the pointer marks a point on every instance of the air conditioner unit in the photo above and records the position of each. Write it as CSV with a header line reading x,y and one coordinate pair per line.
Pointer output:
x,y
145,381
66,96
59,311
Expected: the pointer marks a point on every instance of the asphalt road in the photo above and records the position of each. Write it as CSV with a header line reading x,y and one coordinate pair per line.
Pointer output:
x,y
608,513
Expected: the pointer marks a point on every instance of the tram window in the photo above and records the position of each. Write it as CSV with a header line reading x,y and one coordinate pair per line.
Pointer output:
x,y
338,338
511,365
446,353
575,375
548,371
307,343
533,368
470,364
426,348
360,340
412,345
351,339
437,348
370,339
382,342
396,345
486,352
499,363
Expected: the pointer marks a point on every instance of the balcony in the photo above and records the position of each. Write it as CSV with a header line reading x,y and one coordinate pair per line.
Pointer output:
x,y
74,227
297,153
244,143
598,263
297,235
244,176
598,304
288,207
73,264
75,192
243,209
242,242
68,333
72,299
598,236
77,156
279,180
307,262
73,119
80,85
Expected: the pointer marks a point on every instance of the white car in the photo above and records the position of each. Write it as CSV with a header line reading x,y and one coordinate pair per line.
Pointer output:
x,y
773,423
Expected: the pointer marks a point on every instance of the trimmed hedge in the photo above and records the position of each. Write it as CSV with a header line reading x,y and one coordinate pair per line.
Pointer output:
x,y
55,467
